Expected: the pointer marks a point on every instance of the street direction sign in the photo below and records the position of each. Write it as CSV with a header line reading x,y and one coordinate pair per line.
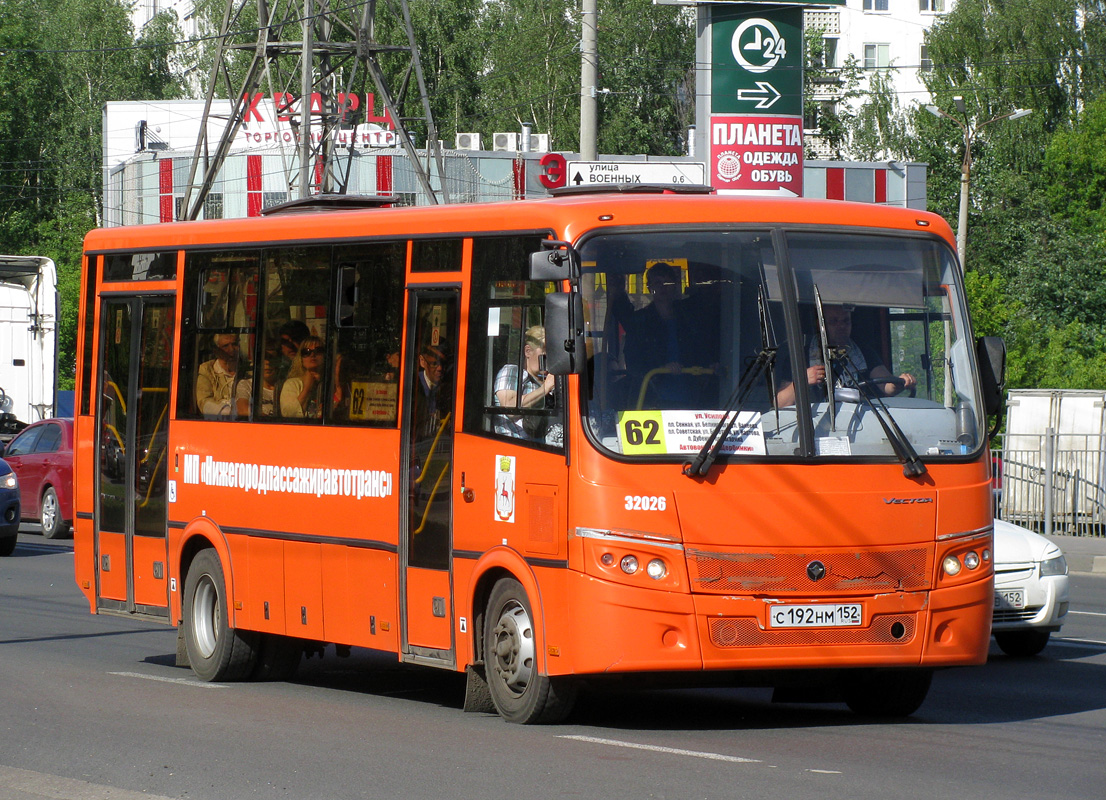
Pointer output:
x,y
605,173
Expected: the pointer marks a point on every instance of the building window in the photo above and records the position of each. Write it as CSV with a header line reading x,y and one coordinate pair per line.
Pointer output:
x,y
879,5
932,6
877,56
829,53
924,62
213,205
270,199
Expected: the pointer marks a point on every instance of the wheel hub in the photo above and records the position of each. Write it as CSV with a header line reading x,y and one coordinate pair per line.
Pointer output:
x,y
514,648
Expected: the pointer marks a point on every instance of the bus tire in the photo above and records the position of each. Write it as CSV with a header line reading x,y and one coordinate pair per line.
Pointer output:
x,y
53,526
519,692
888,693
216,651
278,658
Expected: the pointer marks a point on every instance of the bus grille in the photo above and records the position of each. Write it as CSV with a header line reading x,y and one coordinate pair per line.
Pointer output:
x,y
779,573
746,632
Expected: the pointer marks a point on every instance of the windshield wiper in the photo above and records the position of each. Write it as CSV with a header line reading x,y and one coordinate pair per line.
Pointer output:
x,y
702,462
912,464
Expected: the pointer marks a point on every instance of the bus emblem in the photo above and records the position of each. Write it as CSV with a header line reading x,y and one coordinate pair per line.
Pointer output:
x,y
816,570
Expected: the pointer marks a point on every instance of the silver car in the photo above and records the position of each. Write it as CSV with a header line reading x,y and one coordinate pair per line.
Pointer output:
x,y
1031,590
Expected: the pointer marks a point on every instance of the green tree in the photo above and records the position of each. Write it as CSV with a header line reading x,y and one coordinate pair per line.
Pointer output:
x,y
60,61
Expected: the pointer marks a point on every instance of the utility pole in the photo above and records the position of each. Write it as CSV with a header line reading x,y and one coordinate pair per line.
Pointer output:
x,y
589,77
969,131
295,52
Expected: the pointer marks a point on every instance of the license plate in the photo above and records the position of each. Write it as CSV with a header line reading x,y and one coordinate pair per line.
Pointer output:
x,y
1010,598
820,615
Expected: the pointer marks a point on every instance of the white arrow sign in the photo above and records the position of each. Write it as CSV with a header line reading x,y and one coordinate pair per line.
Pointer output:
x,y
766,94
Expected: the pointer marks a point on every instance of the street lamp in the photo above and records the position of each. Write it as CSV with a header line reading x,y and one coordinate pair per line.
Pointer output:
x,y
966,170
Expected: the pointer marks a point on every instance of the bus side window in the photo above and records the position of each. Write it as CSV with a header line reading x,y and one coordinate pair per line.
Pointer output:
x,y
521,399
219,335
368,325
503,307
297,292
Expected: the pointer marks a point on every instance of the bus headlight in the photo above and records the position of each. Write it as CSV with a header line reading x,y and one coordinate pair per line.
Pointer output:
x,y
629,564
971,559
951,566
656,569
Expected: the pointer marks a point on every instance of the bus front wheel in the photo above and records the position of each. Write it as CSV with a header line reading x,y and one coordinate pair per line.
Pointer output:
x,y
216,651
519,691
886,692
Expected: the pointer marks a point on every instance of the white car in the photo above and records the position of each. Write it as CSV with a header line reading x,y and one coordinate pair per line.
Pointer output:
x,y
1031,590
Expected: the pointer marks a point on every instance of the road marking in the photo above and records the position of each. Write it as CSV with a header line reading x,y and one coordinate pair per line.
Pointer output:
x,y
1088,613
186,681
20,784
825,771
658,749
1077,642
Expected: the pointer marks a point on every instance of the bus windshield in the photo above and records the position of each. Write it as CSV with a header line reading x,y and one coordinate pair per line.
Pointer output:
x,y
866,333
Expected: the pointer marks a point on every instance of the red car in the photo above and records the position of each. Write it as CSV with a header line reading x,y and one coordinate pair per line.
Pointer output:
x,y
42,458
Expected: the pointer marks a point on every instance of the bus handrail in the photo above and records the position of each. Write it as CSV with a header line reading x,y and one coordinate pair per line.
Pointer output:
x,y
666,370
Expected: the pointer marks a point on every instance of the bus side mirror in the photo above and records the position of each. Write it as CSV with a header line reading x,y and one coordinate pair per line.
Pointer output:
x,y
564,333
990,352
554,262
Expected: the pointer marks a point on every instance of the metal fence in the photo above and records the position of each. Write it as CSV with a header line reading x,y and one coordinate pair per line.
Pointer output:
x,y
1052,483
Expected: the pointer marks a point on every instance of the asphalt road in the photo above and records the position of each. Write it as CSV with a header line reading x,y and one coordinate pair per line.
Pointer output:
x,y
93,708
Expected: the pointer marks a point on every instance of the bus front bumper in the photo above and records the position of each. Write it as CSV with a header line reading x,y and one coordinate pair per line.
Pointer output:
x,y
620,629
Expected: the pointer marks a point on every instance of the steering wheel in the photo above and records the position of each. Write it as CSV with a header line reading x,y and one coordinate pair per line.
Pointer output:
x,y
875,385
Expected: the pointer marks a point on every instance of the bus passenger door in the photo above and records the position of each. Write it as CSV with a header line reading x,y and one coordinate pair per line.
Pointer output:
x,y
426,466
132,423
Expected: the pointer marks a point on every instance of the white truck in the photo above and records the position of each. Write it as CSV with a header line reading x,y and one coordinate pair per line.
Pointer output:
x,y
29,309
1053,467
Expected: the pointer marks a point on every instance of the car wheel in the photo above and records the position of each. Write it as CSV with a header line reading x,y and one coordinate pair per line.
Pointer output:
x,y
886,692
7,546
1022,644
53,526
216,651
520,693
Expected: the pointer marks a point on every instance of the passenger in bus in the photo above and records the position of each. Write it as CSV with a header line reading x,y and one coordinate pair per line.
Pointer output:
x,y
215,379
429,385
301,392
270,367
290,336
863,361
662,335
536,390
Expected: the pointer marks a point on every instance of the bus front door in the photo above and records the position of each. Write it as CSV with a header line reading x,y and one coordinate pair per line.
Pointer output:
x,y
427,474
136,337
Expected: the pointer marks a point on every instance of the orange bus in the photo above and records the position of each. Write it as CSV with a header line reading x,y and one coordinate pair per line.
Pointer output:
x,y
544,442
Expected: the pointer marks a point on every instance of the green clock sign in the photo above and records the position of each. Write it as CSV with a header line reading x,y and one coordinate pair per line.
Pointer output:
x,y
757,60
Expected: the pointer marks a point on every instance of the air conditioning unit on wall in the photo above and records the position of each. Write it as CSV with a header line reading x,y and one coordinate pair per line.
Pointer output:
x,y
539,142
505,141
467,141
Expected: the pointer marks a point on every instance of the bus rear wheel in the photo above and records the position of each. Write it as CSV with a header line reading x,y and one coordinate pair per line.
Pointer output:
x,y
888,693
519,691
216,651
